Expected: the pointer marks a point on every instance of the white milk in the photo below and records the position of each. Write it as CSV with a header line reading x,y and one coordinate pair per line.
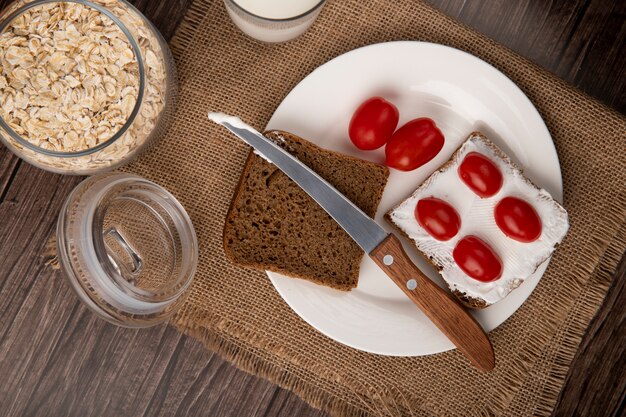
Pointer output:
x,y
277,9
268,30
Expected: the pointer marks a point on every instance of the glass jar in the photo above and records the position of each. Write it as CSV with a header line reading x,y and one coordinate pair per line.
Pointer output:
x,y
128,248
273,20
151,114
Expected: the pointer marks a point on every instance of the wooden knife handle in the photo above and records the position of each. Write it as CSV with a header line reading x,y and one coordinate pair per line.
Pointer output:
x,y
440,307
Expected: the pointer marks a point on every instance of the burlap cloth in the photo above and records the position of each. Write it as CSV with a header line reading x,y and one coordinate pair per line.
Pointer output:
x,y
238,313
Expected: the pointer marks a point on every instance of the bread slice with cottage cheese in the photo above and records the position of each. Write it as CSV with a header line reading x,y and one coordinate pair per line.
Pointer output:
x,y
519,260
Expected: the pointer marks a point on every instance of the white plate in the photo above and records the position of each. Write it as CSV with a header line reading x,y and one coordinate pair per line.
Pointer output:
x,y
462,94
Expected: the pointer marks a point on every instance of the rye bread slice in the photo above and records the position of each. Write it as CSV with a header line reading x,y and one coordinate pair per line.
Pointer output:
x,y
272,224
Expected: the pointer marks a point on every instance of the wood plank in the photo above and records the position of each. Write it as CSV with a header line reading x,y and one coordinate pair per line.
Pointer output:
x,y
286,404
580,41
57,359
8,169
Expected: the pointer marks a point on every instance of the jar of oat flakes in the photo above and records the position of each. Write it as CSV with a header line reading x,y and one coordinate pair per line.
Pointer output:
x,y
85,86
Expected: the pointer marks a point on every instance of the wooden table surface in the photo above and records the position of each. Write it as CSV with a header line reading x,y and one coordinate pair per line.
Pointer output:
x,y
57,359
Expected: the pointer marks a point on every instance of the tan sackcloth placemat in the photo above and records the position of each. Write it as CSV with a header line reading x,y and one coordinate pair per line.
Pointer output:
x,y
238,313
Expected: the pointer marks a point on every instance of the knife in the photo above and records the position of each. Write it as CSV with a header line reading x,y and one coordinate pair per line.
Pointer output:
x,y
384,248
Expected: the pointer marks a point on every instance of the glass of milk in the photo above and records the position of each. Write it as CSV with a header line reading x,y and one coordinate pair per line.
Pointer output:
x,y
273,20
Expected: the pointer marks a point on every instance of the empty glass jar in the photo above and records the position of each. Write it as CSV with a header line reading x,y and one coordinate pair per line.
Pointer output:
x,y
128,248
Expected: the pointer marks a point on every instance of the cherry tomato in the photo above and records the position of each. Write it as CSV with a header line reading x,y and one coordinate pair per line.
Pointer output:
x,y
480,174
438,218
517,219
373,123
477,259
414,144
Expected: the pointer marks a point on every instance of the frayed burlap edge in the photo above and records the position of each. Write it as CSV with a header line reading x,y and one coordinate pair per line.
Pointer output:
x,y
187,28
222,343
577,321
49,255
579,312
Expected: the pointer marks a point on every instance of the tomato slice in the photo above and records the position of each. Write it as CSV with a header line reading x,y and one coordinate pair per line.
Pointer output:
x,y
414,144
477,259
480,174
373,123
438,218
517,219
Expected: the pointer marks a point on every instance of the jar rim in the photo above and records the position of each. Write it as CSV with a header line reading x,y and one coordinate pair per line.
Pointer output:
x,y
18,138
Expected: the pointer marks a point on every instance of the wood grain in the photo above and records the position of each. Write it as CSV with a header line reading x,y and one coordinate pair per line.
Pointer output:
x,y
440,307
57,359
581,41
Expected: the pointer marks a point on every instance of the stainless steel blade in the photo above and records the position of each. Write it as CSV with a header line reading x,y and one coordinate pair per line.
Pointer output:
x,y
363,229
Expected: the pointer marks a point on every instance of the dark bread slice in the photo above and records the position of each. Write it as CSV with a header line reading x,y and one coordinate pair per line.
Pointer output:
x,y
272,224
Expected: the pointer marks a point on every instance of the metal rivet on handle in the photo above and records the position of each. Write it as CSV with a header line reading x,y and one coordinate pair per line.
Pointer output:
x,y
387,260
411,284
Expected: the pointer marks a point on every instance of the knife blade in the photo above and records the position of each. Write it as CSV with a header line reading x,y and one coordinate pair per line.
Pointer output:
x,y
384,248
